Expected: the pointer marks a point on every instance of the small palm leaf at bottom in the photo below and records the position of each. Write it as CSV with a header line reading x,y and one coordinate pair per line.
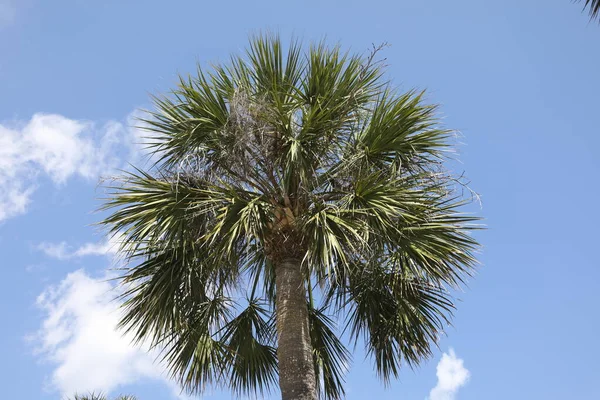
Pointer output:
x,y
99,396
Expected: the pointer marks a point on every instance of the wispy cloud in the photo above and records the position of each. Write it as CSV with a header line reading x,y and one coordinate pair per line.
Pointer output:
x,y
58,148
451,375
63,251
79,338
55,250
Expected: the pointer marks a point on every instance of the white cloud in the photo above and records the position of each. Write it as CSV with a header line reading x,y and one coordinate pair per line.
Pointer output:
x,y
55,250
97,249
63,251
79,338
451,375
59,148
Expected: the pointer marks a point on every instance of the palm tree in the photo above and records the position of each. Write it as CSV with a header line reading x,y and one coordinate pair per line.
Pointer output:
x,y
594,8
292,189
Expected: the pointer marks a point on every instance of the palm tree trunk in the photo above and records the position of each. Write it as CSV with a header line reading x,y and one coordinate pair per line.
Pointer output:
x,y
296,369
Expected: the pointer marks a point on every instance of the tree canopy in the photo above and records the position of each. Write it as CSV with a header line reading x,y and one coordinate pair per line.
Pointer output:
x,y
291,154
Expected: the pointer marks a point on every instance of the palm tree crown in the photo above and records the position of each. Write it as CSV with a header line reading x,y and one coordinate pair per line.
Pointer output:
x,y
289,175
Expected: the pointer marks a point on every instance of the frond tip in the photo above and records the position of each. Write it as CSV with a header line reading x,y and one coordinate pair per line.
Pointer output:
x,y
593,7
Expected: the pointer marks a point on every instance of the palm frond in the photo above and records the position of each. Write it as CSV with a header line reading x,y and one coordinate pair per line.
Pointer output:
x,y
403,133
253,360
151,210
331,233
399,316
593,7
331,357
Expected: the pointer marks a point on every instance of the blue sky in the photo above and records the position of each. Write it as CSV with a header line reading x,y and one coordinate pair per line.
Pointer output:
x,y
518,79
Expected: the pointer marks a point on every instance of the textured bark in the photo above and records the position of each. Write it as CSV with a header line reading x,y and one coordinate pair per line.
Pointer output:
x,y
296,369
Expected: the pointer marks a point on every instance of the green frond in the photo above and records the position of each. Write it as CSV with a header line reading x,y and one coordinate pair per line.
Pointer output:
x,y
331,234
330,356
239,355
151,210
177,304
593,6
402,132
245,220
438,250
185,123
196,359
170,288
398,315
252,358
337,88
274,75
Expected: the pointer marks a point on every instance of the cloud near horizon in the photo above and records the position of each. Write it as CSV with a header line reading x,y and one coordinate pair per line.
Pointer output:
x,y
80,339
451,375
